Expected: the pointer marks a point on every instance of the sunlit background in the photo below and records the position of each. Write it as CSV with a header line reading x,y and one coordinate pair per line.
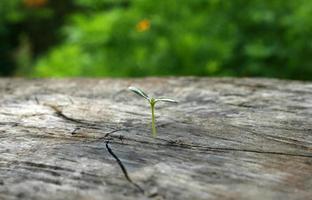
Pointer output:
x,y
133,38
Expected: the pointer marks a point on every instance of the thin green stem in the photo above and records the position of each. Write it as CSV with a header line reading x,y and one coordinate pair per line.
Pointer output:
x,y
154,132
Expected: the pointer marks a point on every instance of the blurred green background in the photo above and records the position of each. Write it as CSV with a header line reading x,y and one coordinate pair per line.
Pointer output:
x,y
121,38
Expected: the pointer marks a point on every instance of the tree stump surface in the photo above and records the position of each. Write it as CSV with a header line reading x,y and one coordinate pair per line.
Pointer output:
x,y
226,139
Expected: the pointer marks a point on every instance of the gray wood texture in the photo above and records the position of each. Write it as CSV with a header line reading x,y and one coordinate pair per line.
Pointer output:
x,y
226,139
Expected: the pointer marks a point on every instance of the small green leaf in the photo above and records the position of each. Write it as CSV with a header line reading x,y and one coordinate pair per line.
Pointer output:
x,y
139,92
166,100
152,101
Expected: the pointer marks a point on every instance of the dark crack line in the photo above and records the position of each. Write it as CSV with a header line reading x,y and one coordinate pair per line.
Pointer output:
x,y
207,148
74,131
123,168
60,114
237,150
114,131
41,166
37,100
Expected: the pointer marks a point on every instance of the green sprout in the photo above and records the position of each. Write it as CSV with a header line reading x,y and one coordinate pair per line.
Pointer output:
x,y
152,101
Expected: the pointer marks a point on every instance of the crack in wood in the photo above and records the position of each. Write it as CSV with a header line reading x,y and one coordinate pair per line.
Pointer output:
x,y
123,168
172,143
60,113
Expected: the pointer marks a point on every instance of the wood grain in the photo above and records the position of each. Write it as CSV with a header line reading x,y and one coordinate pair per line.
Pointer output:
x,y
226,139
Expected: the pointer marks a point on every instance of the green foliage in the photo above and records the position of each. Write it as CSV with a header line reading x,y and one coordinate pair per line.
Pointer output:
x,y
21,22
8,13
269,38
236,38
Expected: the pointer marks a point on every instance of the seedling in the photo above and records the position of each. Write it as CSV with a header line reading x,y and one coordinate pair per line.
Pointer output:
x,y
152,101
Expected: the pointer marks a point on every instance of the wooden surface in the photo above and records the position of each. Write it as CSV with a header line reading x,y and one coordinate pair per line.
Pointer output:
x,y
226,139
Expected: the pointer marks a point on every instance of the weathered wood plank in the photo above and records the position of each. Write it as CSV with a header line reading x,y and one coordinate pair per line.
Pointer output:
x,y
226,139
